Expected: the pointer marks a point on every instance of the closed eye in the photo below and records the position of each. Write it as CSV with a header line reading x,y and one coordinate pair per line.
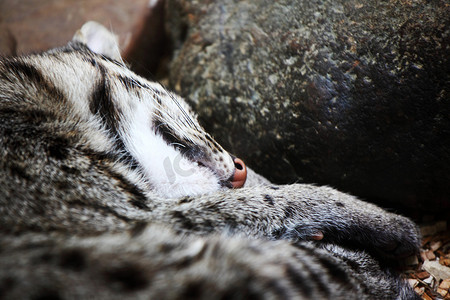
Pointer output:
x,y
189,150
178,145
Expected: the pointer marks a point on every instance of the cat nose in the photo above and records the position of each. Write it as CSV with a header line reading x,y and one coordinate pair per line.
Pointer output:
x,y
240,173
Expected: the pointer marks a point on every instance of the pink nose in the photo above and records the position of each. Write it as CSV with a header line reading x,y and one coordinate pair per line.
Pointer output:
x,y
240,174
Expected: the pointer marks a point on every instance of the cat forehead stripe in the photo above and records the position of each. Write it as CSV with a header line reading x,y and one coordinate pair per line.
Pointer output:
x,y
101,102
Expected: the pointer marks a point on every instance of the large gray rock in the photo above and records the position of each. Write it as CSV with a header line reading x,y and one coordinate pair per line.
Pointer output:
x,y
353,94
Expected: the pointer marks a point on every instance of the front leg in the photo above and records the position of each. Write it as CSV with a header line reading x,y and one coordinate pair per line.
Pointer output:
x,y
295,212
345,220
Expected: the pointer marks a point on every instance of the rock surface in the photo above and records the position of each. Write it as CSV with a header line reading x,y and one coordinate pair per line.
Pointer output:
x,y
349,93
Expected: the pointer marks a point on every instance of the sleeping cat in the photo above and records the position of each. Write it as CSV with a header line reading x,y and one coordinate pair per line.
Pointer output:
x,y
110,188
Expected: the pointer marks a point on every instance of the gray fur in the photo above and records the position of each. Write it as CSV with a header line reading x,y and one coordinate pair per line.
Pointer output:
x,y
79,221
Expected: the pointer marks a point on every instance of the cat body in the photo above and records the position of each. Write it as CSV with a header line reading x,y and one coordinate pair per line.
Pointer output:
x,y
110,189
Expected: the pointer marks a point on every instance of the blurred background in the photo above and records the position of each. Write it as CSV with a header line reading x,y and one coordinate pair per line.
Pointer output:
x,y
28,26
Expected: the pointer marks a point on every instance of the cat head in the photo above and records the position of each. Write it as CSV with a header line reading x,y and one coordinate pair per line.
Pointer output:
x,y
154,129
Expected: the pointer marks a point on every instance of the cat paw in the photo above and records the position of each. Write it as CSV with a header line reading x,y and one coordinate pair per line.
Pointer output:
x,y
390,237
399,238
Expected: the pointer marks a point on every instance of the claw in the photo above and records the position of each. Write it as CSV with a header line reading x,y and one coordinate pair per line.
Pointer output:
x,y
317,236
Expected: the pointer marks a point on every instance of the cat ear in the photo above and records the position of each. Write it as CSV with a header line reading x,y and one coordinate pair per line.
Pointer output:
x,y
99,39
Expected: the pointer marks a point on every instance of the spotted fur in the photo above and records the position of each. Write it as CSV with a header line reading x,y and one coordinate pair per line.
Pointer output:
x,y
87,208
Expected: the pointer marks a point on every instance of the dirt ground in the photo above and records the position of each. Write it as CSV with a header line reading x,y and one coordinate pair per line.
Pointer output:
x,y
429,273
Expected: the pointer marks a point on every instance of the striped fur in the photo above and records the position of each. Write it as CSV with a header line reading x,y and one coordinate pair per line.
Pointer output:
x,y
87,209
